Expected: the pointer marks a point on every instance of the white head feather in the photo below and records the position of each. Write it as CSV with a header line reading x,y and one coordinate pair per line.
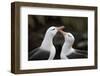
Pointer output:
x,y
69,38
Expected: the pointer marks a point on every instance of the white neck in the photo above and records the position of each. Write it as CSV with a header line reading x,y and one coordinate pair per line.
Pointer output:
x,y
67,49
47,42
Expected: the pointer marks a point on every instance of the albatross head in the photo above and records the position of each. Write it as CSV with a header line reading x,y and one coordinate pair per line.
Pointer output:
x,y
53,30
69,38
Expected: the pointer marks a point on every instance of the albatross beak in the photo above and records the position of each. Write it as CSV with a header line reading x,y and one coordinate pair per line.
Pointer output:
x,y
60,28
64,33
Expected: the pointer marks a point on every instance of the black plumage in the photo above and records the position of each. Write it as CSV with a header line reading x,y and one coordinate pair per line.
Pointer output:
x,y
77,54
39,54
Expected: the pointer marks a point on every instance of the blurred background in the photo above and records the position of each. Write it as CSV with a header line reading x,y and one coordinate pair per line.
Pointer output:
x,y
38,24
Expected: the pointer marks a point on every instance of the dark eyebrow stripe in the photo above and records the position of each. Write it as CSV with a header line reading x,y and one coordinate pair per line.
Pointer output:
x,y
53,29
69,35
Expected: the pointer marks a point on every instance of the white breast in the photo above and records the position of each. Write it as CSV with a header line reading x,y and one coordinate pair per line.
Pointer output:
x,y
52,53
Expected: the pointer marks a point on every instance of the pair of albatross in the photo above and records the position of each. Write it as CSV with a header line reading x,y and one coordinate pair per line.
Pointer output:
x,y
47,50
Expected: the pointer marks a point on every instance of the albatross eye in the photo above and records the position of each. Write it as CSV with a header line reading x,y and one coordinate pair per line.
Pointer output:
x,y
53,29
69,35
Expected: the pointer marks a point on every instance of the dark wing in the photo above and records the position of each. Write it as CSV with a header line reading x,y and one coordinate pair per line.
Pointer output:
x,y
32,52
39,54
85,52
78,54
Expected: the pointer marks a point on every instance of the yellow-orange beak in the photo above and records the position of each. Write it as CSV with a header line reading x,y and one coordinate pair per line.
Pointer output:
x,y
60,28
62,32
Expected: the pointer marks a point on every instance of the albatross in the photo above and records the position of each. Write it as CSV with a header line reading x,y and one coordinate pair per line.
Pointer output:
x,y
47,50
68,52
